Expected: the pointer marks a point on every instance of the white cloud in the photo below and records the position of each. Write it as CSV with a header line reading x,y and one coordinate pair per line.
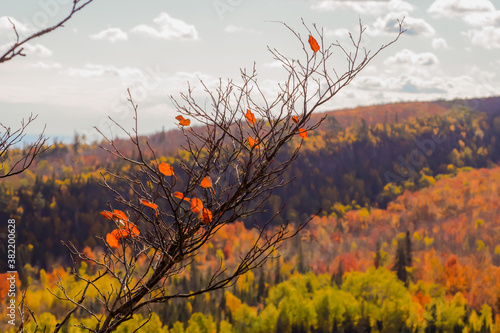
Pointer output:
x,y
439,43
168,28
340,33
483,19
43,65
6,26
232,29
454,8
110,34
364,7
273,64
390,25
488,37
409,85
30,49
93,70
408,57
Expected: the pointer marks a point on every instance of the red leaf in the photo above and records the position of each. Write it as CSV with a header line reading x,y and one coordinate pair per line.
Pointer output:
x,y
129,229
166,169
119,215
196,205
112,240
313,43
250,117
149,204
183,121
206,217
107,214
206,182
180,195
252,142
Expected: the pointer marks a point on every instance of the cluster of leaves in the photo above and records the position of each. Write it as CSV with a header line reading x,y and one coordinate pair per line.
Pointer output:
x,y
127,229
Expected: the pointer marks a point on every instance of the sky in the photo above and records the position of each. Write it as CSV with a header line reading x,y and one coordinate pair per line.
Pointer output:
x,y
76,77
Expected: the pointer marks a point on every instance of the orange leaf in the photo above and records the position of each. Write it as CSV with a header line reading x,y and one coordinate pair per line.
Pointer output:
x,y
295,119
180,195
252,142
107,214
112,240
149,204
119,234
302,133
166,169
313,43
206,217
206,182
185,122
196,205
250,117
119,215
129,229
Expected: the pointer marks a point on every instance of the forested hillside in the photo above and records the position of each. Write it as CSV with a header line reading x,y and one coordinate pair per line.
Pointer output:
x,y
428,263
365,157
405,237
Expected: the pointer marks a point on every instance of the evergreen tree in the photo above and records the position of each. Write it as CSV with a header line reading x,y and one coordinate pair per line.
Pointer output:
x,y
403,259
277,273
400,263
301,265
261,288
338,275
378,258
431,323
408,249
283,324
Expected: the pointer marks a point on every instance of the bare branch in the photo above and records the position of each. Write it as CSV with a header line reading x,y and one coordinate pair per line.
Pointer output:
x,y
9,138
230,166
17,48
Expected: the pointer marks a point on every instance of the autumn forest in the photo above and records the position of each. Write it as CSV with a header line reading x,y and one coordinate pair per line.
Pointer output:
x,y
403,204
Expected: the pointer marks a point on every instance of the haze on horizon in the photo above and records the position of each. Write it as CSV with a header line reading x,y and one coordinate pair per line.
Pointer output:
x,y
77,76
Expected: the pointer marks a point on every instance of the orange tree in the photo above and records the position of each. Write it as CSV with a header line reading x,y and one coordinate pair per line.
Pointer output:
x,y
172,210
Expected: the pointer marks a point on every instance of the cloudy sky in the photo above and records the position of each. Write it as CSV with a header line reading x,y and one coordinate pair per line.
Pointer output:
x,y
77,76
